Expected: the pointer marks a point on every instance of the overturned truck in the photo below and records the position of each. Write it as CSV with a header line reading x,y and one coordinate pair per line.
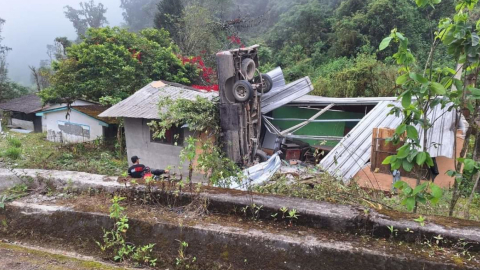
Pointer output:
x,y
245,96
240,88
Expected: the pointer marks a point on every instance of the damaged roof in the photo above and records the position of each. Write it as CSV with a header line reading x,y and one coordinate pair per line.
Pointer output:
x,y
94,111
353,152
25,104
307,100
144,103
286,94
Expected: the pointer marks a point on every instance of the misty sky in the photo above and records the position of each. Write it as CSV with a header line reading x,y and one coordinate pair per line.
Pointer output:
x,y
32,24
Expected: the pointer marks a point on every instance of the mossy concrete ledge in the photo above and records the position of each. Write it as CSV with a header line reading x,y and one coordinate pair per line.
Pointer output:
x,y
239,248
315,214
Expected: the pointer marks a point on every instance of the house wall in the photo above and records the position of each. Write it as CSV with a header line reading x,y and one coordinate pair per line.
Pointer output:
x,y
26,121
153,154
77,128
317,129
27,125
368,179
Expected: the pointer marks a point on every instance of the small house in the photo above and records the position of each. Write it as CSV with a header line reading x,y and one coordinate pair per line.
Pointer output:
x,y
139,110
77,123
21,112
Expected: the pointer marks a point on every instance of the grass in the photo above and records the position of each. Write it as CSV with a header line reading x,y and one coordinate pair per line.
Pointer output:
x,y
14,142
327,188
12,153
38,153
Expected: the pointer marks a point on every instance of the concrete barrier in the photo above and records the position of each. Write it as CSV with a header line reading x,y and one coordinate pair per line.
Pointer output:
x,y
315,214
211,244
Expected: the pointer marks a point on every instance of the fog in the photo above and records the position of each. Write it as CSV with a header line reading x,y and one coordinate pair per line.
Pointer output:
x,y
33,24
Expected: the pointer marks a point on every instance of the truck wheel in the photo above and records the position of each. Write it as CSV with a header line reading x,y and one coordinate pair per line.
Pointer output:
x,y
261,156
267,84
248,68
242,91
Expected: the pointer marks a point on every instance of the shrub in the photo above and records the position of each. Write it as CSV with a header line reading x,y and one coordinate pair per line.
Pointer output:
x,y
12,152
14,142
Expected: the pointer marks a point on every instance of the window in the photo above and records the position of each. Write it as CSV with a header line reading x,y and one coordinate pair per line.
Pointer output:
x,y
173,136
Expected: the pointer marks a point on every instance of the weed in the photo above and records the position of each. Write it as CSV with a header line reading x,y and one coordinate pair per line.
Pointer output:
x,y
256,211
3,199
284,210
183,260
14,142
420,220
292,214
438,239
393,231
114,240
143,255
12,152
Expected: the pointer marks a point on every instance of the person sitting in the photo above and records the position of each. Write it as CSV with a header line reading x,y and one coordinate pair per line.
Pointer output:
x,y
138,170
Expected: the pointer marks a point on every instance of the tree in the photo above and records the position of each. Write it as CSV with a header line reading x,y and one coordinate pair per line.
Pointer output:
x,y
139,14
88,16
429,89
8,89
115,62
168,17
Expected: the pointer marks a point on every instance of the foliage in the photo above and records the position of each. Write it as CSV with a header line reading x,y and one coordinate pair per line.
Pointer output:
x,y
115,240
183,261
114,62
13,141
168,16
421,94
421,193
88,16
188,153
219,169
362,76
12,153
199,115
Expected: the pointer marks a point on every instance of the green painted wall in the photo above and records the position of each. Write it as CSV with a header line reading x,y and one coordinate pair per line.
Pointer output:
x,y
318,129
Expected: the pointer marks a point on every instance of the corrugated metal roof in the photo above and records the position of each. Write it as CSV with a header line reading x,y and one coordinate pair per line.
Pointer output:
x,y
144,103
324,101
25,104
286,94
354,150
278,82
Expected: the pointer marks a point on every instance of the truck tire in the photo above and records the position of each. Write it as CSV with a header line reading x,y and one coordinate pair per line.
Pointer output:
x,y
261,156
267,84
248,68
242,91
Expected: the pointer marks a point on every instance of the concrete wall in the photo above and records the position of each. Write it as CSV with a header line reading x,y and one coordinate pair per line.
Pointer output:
x,y
152,154
27,125
77,128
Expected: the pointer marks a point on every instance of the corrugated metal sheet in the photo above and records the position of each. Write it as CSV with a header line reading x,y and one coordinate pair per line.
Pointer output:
x,y
354,150
286,94
324,101
144,103
278,82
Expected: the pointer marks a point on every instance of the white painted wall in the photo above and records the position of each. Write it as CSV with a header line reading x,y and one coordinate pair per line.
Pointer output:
x,y
56,121
60,105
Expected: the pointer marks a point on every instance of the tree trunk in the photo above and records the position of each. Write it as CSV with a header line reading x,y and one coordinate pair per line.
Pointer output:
x,y
35,77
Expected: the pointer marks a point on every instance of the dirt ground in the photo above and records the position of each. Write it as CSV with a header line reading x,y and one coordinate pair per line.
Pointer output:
x,y
16,257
